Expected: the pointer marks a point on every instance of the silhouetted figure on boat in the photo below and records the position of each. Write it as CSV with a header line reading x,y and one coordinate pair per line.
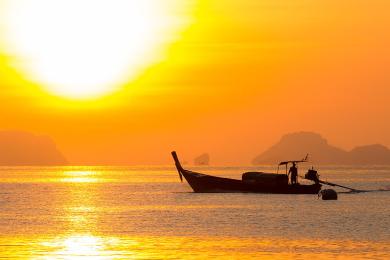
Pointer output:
x,y
293,174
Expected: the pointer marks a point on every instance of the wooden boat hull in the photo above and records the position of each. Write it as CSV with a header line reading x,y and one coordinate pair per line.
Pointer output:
x,y
204,183
212,184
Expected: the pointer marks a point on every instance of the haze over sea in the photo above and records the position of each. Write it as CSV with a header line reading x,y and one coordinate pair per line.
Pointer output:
x,y
146,213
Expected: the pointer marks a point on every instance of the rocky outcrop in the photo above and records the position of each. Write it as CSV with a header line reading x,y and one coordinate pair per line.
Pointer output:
x,y
370,154
296,145
22,148
203,159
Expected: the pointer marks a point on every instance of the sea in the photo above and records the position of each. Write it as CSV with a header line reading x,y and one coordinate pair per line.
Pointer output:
x,y
145,212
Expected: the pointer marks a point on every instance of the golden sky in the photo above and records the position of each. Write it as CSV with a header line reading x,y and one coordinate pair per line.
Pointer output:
x,y
225,77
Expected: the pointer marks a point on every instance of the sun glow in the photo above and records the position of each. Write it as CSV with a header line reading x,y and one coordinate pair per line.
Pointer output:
x,y
86,49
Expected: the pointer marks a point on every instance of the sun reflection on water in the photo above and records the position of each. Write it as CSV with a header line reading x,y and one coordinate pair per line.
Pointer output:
x,y
80,177
88,246
79,247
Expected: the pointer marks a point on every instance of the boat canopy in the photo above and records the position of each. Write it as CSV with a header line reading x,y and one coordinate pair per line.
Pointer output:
x,y
287,162
298,161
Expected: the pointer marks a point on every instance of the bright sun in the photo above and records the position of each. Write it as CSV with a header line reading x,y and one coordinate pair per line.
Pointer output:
x,y
87,48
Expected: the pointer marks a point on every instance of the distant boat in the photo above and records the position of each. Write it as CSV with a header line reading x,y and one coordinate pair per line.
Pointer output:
x,y
255,182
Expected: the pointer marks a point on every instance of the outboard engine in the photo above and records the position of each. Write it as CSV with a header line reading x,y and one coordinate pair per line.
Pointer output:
x,y
312,175
328,194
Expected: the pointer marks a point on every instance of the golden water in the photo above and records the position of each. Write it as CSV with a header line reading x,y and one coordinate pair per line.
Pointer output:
x,y
146,213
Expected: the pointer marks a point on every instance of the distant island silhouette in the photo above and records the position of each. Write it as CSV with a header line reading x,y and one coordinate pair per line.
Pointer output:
x,y
203,159
26,149
297,145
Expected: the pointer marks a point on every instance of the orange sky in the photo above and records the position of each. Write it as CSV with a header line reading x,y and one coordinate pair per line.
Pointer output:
x,y
239,76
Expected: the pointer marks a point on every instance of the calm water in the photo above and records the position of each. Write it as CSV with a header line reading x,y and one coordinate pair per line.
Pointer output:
x,y
146,213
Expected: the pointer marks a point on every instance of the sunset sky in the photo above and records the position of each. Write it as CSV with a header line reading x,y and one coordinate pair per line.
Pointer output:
x,y
119,82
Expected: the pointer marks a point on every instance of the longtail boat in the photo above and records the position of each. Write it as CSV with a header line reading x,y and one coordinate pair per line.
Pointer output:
x,y
254,182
